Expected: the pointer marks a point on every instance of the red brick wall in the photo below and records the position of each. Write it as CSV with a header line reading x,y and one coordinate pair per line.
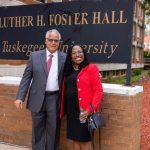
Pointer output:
x,y
15,126
122,115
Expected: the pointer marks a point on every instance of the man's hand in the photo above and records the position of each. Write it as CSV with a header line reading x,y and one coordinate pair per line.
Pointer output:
x,y
18,103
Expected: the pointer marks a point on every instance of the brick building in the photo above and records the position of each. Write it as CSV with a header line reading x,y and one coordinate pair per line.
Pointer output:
x,y
15,68
147,52
147,43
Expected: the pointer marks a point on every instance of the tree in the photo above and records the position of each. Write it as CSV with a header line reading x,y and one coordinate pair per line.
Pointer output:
x,y
147,7
147,18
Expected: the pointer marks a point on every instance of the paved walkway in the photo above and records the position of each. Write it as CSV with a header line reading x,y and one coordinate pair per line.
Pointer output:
x,y
145,122
4,146
145,128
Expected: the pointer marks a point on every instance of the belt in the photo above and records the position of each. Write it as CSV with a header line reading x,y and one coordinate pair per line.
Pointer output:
x,y
51,92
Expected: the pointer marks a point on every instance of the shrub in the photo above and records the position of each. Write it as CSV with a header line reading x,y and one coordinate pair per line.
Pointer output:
x,y
136,72
147,54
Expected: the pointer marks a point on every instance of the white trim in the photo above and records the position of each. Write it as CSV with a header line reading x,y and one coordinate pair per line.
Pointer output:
x,y
121,89
10,80
107,88
10,3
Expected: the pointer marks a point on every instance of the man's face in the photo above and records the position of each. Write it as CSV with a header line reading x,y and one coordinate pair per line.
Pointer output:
x,y
52,42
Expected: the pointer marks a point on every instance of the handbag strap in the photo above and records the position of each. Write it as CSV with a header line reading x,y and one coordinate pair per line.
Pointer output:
x,y
92,136
92,132
91,107
99,139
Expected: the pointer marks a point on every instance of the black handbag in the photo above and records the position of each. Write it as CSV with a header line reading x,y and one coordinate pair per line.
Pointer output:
x,y
95,120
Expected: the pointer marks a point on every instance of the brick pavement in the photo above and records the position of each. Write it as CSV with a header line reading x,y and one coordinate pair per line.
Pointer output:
x,y
145,128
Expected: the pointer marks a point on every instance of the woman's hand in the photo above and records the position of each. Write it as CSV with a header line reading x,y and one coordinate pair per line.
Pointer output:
x,y
84,115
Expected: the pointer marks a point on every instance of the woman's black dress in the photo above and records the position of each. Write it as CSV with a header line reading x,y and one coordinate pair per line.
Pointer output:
x,y
75,130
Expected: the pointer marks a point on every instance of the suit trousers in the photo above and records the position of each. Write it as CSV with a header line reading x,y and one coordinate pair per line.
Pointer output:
x,y
46,125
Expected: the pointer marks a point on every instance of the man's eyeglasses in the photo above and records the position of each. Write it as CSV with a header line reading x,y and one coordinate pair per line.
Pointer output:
x,y
53,40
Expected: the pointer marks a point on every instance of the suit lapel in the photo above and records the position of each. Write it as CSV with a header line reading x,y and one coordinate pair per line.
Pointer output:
x,y
43,60
60,61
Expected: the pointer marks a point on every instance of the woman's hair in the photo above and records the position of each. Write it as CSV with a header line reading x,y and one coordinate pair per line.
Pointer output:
x,y
68,66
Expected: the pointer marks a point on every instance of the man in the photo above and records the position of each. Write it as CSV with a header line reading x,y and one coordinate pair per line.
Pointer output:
x,y
43,77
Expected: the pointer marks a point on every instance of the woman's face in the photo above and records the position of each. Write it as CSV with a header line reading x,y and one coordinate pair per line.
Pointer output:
x,y
77,55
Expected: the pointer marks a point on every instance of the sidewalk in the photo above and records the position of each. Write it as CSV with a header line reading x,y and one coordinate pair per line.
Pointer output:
x,y
5,146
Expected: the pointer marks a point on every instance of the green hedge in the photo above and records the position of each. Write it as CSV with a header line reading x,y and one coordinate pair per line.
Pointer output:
x,y
147,54
136,72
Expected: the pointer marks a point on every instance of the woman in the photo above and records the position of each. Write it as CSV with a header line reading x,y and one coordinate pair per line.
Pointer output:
x,y
82,86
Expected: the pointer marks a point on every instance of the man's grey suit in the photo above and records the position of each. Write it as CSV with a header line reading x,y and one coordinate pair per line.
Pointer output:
x,y
34,79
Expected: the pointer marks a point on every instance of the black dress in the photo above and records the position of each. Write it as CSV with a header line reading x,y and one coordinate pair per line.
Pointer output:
x,y
75,130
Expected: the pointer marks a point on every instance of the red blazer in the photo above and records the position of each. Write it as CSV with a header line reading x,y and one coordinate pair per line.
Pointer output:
x,y
89,88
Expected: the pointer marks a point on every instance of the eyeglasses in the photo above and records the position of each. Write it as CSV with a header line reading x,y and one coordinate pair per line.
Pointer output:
x,y
53,40
77,53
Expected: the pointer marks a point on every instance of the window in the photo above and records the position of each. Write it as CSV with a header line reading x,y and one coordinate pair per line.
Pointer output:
x,y
139,32
105,74
117,72
132,53
122,72
137,54
43,1
135,8
114,72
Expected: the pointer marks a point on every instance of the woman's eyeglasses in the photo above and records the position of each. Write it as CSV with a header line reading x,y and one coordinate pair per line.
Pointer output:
x,y
77,53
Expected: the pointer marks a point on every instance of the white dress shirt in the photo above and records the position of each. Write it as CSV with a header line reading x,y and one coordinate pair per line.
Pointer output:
x,y
52,80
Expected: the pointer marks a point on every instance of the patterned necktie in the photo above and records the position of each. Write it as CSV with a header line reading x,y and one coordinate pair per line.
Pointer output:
x,y
49,63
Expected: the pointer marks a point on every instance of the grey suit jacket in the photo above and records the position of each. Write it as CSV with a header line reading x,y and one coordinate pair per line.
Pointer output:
x,y
35,77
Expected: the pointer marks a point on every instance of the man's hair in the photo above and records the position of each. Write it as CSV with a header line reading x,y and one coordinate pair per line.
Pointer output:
x,y
53,30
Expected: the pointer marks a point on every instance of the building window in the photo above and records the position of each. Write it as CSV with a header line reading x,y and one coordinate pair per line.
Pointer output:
x,y
114,73
123,72
43,1
57,0
117,72
132,53
137,54
105,74
133,30
139,32
135,8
